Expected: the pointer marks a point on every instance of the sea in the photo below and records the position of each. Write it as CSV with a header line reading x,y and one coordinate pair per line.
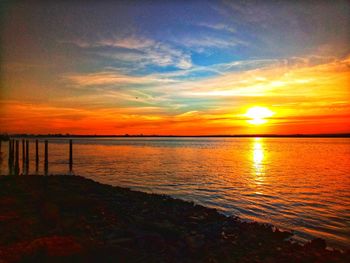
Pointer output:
x,y
296,184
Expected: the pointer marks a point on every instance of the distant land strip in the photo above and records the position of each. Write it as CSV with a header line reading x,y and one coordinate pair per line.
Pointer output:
x,y
328,135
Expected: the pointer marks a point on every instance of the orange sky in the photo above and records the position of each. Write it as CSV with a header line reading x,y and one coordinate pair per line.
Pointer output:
x,y
134,82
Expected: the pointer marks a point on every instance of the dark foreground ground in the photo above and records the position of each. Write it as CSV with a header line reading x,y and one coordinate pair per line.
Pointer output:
x,y
72,219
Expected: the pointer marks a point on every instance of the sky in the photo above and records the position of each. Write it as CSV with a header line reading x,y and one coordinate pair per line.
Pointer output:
x,y
175,67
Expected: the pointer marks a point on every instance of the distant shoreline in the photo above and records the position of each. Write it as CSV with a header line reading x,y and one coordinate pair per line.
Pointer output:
x,y
341,135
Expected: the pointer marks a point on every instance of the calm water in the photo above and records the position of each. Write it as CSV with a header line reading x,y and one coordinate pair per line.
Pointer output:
x,y
300,184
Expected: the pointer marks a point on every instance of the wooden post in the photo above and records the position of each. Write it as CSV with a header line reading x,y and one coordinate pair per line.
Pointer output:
x,y
9,152
23,156
12,156
0,157
9,157
70,156
13,152
27,156
36,155
46,168
11,149
17,158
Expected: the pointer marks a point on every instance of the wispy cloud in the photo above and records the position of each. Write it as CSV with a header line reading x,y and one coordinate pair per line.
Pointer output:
x,y
210,42
112,78
143,51
290,28
301,96
218,26
276,81
278,78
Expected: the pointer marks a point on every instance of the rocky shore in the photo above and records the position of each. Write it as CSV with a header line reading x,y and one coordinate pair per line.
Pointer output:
x,y
73,219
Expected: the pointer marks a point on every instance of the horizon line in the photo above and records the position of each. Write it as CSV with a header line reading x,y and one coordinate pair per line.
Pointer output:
x,y
172,135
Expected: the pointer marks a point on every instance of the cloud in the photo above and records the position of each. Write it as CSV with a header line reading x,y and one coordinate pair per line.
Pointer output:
x,y
210,42
131,42
49,118
218,26
306,98
140,51
113,89
276,82
112,78
291,89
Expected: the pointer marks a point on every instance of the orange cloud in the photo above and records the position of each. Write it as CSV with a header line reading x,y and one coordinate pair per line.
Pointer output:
x,y
305,98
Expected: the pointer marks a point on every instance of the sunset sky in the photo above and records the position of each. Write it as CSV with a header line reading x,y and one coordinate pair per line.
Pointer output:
x,y
175,67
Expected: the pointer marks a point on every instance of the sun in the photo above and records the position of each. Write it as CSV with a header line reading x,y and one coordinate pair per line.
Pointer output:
x,y
257,115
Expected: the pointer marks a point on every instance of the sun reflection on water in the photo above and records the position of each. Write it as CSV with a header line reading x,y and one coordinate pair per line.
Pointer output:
x,y
258,159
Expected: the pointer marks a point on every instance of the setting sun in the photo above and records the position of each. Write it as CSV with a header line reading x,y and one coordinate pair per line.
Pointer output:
x,y
257,115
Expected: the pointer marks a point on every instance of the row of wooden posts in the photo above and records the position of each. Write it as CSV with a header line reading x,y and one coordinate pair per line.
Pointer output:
x,y
14,153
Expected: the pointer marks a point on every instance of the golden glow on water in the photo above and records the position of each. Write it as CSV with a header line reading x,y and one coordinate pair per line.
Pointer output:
x,y
258,161
294,183
258,156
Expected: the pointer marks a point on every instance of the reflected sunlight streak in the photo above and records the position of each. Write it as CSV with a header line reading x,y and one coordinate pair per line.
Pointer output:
x,y
258,157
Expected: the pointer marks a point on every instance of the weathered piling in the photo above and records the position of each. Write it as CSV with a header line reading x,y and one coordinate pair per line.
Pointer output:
x,y
11,156
17,158
9,152
23,156
13,151
46,167
0,157
27,156
10,164
36,155
70,156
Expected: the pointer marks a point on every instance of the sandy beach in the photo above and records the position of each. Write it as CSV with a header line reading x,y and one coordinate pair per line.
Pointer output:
x,y
73,219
